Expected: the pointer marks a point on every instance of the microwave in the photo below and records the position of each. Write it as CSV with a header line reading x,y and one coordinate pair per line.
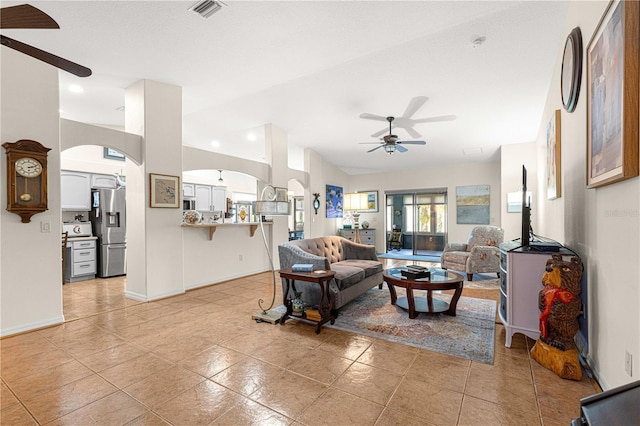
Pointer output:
x,y
188,204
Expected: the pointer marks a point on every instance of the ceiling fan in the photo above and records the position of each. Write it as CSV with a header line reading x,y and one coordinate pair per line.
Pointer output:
x,y
390,142
406,122
25,16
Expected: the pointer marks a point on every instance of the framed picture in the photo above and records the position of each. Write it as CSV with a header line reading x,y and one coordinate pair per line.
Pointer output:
x,y
552,170
612,96
164,191
334,201
112,154
372,197
472,204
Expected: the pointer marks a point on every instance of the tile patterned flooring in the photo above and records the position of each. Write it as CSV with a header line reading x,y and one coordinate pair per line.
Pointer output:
x,y
199,359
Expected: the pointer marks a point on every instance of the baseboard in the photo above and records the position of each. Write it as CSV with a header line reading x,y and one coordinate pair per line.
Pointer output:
x,y
32,326
135,296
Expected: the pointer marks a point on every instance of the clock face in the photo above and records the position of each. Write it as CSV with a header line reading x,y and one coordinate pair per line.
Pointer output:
x,y
28,167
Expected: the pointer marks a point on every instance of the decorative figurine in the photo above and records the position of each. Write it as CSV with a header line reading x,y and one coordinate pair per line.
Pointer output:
x,y
559,304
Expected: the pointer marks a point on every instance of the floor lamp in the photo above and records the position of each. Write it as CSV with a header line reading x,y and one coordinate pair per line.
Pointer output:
x,y
273,202
354,202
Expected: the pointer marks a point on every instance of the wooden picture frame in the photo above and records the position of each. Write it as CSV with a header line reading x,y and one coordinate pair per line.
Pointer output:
x,y
372,197
612,96
553,168
164,191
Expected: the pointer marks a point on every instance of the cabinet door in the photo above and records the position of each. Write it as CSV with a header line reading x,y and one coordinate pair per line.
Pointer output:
x,y
203,198
188,190
75,191
219,199
103,181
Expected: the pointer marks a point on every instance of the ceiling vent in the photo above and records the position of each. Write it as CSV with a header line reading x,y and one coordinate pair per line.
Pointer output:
x,y
206,8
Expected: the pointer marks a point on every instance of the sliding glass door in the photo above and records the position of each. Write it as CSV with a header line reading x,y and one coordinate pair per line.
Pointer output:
x,y
422,217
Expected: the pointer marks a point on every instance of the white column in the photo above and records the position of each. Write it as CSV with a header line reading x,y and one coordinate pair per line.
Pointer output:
x,y
154,236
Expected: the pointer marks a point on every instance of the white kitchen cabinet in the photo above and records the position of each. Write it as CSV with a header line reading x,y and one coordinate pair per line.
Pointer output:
x,y
219,198
104,181
188,190
75,191
81,260
204,198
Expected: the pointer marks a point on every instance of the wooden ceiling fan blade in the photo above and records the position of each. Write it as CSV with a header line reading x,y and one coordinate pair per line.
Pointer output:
x,y
380,133
377,147
49,58
26,16
412,132
372,117
434,119
414,105
412,142
401,148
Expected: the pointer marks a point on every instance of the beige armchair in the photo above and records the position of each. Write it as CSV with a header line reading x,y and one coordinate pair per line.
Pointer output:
x,y
479,254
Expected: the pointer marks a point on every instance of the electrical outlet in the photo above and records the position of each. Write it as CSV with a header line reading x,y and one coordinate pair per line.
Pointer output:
x,y
628,362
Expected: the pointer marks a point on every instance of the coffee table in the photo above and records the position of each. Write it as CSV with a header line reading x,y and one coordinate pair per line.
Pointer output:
x,y
440,279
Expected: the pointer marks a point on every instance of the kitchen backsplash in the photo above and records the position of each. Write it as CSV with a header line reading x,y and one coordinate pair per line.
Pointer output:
x,y
70,216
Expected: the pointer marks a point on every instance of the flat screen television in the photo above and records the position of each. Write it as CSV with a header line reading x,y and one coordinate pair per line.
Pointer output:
x,y
526,211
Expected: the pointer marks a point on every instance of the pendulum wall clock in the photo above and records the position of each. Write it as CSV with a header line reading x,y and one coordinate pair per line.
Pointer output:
x,y
26,178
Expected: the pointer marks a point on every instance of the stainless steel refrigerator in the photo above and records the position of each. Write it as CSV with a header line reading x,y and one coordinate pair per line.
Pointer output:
x,y
109,223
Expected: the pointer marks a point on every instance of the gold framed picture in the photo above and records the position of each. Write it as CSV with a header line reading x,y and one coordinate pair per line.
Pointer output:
x,y
553,170
164,191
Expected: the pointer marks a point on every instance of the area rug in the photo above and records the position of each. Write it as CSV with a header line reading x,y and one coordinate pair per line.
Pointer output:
x,y
470,334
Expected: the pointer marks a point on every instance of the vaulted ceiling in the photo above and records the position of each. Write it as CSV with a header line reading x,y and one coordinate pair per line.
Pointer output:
x,y
312,68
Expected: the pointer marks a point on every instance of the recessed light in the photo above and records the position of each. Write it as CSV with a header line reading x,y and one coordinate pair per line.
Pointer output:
x,y
75,88
215,143
251,136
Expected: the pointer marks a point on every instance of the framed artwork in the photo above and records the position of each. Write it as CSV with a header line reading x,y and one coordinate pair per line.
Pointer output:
x,y
112,154
334,201
612,96
372,197
472,204
552,171
164,191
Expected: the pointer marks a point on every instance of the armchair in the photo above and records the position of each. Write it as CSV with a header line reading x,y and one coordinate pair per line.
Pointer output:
x,y
479,254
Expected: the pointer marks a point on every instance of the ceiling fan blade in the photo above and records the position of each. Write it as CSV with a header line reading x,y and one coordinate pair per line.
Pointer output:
x,y
381,132
414,105
370,143
433,119
372,116
401,148
47,57
412,132
412,142
377,147
25,16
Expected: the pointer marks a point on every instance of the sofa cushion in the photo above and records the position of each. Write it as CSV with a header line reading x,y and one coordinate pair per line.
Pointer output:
x,y
347,275
458,257
370,267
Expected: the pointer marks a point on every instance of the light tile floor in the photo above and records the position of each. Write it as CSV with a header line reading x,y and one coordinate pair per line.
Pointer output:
x,y
199,359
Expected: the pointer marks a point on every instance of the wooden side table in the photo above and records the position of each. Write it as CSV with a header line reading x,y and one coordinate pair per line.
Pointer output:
x,y
325,305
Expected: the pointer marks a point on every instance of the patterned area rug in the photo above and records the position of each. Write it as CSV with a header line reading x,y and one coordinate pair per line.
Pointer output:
x,y
470,334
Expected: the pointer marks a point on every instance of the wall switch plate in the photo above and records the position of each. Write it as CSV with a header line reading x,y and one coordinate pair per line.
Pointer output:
x,y
45,226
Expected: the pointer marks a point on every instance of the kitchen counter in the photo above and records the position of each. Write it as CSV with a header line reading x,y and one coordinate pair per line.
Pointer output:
x,y
213,226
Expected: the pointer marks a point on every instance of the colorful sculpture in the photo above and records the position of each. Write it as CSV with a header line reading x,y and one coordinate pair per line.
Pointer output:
x,y
559,304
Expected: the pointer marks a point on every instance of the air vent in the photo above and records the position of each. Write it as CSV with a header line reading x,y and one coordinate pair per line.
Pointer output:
x,y
206,8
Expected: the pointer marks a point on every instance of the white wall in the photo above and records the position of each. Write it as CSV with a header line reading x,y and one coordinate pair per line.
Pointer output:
x,y
602,225
433,177
31,268
90,159
512,158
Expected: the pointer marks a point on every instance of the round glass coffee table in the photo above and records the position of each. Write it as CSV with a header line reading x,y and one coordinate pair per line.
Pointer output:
x,y
440,279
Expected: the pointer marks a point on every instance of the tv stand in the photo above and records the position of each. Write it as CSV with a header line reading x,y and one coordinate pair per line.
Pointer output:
x,y
521,270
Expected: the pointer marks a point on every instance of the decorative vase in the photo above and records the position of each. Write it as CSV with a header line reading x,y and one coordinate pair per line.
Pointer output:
x,y
297,305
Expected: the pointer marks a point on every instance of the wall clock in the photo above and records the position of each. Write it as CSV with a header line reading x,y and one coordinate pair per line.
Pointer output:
x,y
26,178
571,70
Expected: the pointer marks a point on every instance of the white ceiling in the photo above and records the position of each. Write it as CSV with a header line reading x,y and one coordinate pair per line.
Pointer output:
x,y
312,68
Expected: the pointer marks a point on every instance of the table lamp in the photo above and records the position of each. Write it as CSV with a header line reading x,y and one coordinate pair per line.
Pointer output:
x,y
273,202
354,202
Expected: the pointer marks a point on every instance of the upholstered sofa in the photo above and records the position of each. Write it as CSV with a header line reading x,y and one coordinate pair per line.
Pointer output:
x,y
356,266
479,254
